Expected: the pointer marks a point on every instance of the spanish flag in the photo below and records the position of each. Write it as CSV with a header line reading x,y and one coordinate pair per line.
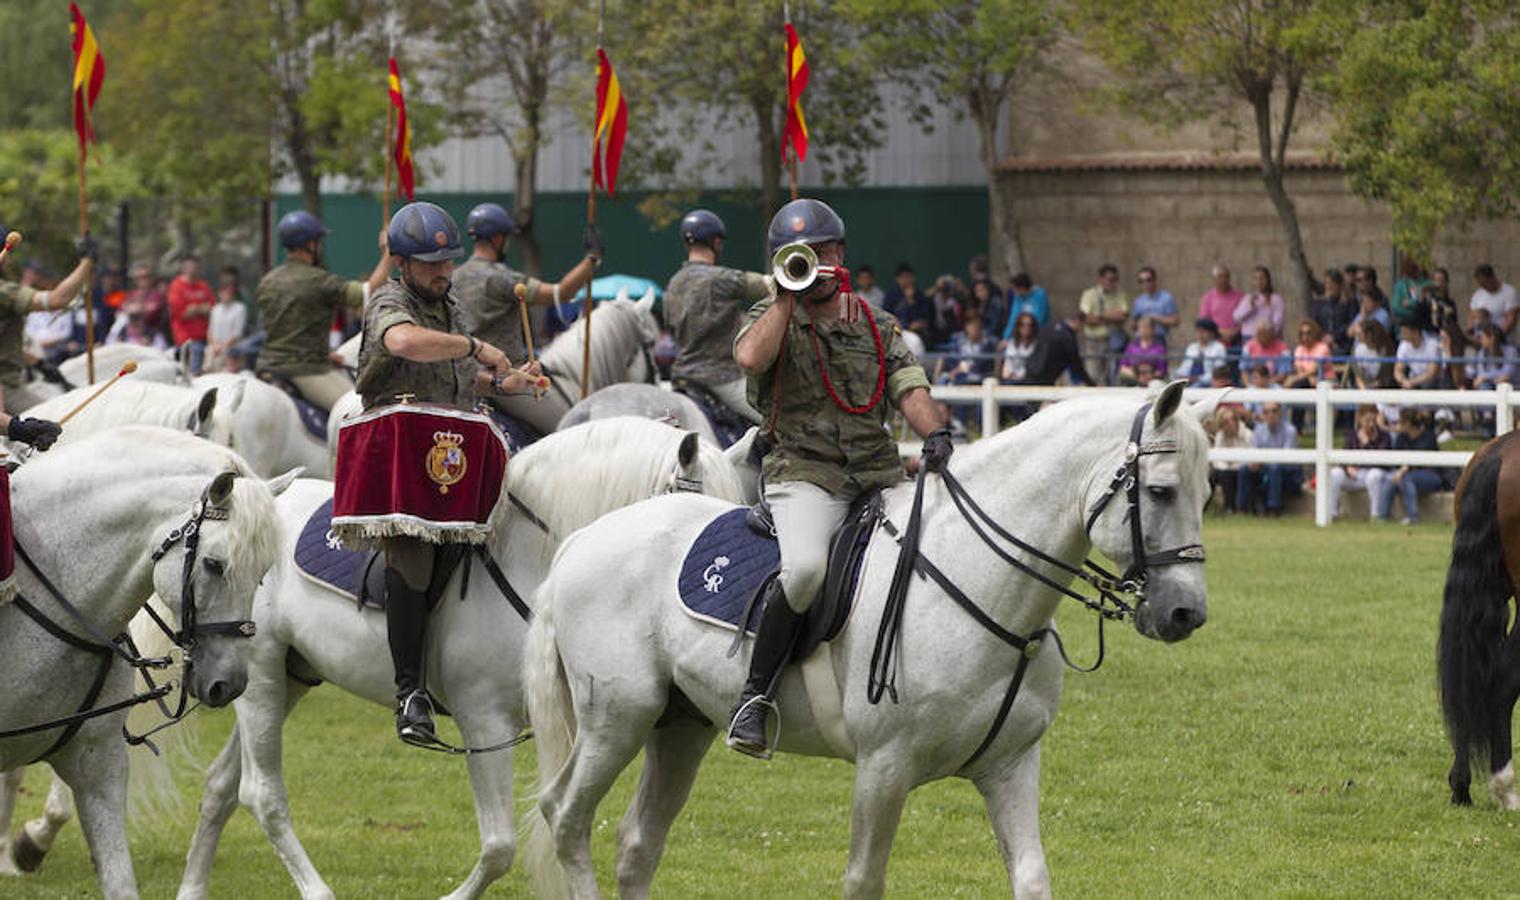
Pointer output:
x,y
796,83
403,150
89,73
611,123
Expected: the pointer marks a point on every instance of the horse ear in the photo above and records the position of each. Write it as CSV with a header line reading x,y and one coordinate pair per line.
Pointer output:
x,y
279,483
738,451
1204,410
1170,399
235,398
690,444
221,488
646,302
208,403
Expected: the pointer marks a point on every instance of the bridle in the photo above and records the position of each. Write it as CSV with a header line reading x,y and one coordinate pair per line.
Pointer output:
x,y
107,649
1115,592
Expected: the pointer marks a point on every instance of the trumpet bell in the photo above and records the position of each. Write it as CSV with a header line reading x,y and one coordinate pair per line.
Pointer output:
x,y
795,267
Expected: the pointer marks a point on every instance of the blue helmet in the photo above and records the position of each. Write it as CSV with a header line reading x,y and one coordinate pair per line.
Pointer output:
x,y
805,220
488,220
299,228
423,231
700,226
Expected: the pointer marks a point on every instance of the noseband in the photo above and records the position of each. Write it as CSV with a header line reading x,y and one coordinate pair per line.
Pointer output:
x,y
191,628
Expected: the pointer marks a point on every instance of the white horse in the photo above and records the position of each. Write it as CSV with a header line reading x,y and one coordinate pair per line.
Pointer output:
x,y
124,499
647,401
152,365
1051,480
268,430
308,632
209,413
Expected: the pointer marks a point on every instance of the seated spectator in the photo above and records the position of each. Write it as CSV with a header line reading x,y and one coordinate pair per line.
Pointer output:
x,y
225,328
1145,373
1205,354
1498,297
973,355
1274,480
1419,356
1408,292
1367,287
1311,358
1018,348
866,287
148,296
1368,434
1056,354
1371,310
1413,482
1335,311
1154,302
1496,360
1268,348
1224,377
1147,346
133,328
1259,377
1372,357
1026,296
190,303
945,300
904,300
1228,433
1218,305
1260,304
990,303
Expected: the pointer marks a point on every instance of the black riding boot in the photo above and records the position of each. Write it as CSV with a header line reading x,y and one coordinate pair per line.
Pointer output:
x,y
774,639
406,616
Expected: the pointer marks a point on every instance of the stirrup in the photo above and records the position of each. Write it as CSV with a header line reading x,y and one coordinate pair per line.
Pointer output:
x,y
764,750
418,732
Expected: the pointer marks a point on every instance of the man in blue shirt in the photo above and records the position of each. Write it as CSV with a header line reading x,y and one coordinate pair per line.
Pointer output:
x,y
1025,297
1275,479
1155,302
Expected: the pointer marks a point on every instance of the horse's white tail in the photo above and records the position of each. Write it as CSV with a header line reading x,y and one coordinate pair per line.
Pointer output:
x,y
553,715
152,794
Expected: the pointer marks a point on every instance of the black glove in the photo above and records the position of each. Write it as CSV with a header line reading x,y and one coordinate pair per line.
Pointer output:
x,y
87,248
40,433
594,246
937,450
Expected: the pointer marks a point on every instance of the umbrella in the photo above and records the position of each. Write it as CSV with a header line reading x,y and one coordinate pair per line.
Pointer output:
x,y
608,286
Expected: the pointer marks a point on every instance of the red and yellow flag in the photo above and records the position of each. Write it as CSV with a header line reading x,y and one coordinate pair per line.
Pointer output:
x,y
403,149
611,123
89,73
796,83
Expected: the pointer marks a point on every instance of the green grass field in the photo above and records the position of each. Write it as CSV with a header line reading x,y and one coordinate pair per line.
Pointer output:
x,y
1291,748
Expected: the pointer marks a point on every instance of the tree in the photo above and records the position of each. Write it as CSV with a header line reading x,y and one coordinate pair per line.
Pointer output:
x,y
39,188
1184,60
529,46
693,68
35,62
969,56
1423,103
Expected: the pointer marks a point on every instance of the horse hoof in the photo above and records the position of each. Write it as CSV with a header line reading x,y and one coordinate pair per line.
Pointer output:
x,y
26,854
1461,798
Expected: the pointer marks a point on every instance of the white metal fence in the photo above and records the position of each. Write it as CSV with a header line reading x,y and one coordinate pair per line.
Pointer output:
x,y
1324,400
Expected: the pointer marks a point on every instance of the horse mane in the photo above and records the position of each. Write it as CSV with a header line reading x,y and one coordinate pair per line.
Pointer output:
x,y
617,324
123,404
572,477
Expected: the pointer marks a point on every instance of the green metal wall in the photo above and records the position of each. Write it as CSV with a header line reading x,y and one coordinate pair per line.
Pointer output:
x,y
936,230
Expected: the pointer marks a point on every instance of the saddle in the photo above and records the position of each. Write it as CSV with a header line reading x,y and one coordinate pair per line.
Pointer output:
x,y
519,433
728,425
727,571
312,416
360,575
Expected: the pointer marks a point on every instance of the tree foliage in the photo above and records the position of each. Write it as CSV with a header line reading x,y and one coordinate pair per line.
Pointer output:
x,y
1425,101
39,188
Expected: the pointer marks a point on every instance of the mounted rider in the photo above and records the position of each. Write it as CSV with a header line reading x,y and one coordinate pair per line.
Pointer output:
x,y
297,300
415,349
17,301
827,380
485,288
705,305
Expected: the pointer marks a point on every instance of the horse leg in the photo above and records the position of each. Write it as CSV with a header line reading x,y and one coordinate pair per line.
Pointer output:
x,y
97,771
491,782
1501,748
34,839
881,788
217,806
1012,795
261,715
10,786
672,756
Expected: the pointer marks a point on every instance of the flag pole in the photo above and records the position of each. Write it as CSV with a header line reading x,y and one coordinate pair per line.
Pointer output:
x,y
591,218
786,69
390,142
84,232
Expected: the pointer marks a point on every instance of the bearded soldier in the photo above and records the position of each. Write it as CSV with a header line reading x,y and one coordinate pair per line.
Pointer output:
x,y
297,300
486,290
16,302
826,379
414,350
704,309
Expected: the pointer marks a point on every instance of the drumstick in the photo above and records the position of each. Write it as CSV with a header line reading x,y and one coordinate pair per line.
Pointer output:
x,y
126,370
522,306
11,240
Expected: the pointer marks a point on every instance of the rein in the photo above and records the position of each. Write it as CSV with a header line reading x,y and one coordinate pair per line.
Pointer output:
x,y
1113,590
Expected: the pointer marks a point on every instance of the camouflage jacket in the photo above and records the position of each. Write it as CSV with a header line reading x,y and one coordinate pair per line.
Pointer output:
x,y
296,302
383,376
704,309
488,305
15,301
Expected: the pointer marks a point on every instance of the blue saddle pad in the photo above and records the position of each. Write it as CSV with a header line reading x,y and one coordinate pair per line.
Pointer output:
x,y
313,417
726,564
319,556
519,433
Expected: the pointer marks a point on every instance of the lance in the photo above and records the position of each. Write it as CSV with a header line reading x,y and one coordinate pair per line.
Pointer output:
x,y
591,215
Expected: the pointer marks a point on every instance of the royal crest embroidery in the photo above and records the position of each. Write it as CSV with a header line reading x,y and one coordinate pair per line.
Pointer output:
x,y
446,462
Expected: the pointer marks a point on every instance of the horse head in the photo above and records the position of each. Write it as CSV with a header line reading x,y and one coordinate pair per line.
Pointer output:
x,y
1149,517
215,414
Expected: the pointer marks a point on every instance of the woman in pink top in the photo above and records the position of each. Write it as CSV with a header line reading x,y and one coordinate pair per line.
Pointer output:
x,y
1311,358
1260,304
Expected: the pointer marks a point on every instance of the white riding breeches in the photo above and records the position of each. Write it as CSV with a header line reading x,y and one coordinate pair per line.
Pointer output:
x,y
806,518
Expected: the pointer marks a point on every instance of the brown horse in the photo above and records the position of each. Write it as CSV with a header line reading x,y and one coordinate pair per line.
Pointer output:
x,y
1478,654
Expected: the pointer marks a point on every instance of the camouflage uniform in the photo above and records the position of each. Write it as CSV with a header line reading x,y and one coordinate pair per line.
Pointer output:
x,y
383,377
488,309
824,456
704,309
297,301
15,303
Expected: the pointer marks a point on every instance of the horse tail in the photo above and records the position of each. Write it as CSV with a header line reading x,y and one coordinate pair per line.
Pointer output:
x,y
152,793
552,712
1474,612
